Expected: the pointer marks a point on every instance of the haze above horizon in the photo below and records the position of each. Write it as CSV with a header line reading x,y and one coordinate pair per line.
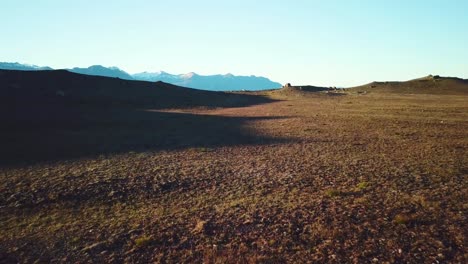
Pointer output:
x,y
326,43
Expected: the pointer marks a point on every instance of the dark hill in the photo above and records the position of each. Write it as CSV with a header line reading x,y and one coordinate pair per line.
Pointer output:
x,y
60,86
56,115
426,85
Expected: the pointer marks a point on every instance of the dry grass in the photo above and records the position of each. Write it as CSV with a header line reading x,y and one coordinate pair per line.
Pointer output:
x,y
361,178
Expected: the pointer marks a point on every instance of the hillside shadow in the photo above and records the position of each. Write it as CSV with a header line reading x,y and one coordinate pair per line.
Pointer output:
x,y
91,133
58,115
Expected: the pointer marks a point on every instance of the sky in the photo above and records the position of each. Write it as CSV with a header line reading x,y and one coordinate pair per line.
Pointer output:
x,y
326,43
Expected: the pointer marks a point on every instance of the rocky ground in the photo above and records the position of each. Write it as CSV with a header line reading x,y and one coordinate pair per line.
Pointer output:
x,y
327,177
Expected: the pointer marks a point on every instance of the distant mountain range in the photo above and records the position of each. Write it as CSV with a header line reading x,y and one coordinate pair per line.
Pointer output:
x,y
99,70
227,82
22,67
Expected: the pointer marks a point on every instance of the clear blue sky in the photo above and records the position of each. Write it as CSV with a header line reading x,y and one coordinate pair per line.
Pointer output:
x,y
328,42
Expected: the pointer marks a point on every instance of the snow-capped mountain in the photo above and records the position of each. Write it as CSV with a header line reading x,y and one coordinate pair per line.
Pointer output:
x,y
154,76
227,82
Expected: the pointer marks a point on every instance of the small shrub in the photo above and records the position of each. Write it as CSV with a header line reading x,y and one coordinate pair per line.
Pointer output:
x,y
200,227
143,241
402,219
362,185
271,242
333,193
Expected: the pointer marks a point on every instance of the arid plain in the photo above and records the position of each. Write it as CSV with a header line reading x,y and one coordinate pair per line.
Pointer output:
x,y
376,174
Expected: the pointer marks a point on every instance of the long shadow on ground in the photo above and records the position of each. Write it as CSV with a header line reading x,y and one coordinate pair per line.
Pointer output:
x,y
52,116
122,130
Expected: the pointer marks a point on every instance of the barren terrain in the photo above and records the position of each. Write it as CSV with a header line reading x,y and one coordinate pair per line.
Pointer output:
x,y
336,177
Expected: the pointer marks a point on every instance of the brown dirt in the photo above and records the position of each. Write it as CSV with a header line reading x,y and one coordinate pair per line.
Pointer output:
x,y
375,178
426,85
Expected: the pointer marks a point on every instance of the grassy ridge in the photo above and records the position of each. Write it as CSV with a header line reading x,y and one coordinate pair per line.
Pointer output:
x,y
426,85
